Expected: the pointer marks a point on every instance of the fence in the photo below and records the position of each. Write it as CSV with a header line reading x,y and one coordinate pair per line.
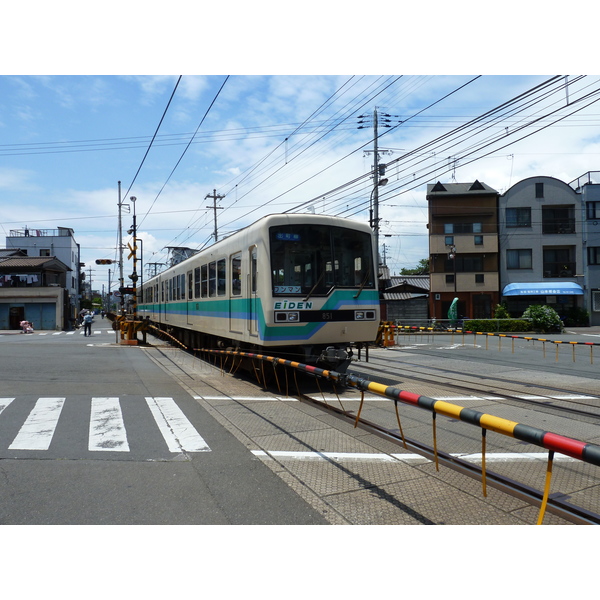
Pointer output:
x,y
581,451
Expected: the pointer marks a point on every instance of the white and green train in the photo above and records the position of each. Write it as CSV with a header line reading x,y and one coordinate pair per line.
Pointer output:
x,y
300,286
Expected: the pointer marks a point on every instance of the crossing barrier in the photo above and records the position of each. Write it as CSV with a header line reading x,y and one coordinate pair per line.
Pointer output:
x,y
582,451
392,331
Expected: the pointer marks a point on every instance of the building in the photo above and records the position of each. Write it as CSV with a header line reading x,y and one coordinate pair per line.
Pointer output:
x,y
405,298
541,241
33,288
59,243
588,185
463,249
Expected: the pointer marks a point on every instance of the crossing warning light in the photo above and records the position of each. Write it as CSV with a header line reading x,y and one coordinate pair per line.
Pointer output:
x,y
104,261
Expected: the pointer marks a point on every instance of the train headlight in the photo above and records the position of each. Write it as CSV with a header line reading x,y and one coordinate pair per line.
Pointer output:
x,y
364,315
287,317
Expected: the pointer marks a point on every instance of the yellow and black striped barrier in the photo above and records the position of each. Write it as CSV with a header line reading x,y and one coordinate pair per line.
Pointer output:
x,y
390,328
583,451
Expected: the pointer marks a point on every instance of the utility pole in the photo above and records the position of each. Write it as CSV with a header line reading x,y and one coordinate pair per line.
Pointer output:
x,y
91,293
215,197
378,177
120,236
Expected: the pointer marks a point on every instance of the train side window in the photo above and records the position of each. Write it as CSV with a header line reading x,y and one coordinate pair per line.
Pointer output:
x,y
197,282
236,274
204,280
182,286
212,279
190,288
221,277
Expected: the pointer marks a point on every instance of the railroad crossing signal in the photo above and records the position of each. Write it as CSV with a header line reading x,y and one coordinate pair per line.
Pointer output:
x,y
104,261
132,251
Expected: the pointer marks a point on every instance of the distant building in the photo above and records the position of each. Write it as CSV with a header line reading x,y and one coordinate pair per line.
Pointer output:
x,y
463,249
59,243
405,298
541,241
33,289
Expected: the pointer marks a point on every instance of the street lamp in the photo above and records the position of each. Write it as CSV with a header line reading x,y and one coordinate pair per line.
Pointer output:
x,y
452,255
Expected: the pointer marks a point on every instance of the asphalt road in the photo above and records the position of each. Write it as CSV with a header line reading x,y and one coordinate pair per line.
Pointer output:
x,y
92,432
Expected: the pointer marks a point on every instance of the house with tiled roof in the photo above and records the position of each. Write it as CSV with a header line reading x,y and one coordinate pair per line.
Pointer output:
x,y
33,288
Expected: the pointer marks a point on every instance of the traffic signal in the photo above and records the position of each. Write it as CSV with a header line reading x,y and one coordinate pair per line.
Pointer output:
x,y
104,261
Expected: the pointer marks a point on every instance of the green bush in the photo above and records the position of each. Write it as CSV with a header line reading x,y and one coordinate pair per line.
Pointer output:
x,y
497,325
543,318
501,312
577,317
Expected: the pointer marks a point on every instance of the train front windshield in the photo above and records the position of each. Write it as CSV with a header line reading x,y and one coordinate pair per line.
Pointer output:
x,y
313,259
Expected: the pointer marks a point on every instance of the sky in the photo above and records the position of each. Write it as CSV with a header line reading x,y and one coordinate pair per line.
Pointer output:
x,y
261,117
271,143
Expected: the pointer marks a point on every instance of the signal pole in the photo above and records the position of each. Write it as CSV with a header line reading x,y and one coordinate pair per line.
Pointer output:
x,y
215,196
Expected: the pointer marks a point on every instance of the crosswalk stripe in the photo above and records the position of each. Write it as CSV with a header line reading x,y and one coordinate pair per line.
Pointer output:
x,y
38,429
174,426
4,402
107,430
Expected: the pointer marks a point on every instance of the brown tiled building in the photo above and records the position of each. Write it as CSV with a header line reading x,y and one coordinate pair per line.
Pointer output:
x,y
463,249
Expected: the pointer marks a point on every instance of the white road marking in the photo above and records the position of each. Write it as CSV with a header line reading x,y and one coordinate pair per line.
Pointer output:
x,y
357,456
38,429
174,426
4,402
107,430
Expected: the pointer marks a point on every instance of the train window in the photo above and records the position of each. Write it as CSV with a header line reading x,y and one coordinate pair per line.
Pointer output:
x,y
236,274
212,279
182,287
197,282
221,277
190,288
352,250
204,280
311,259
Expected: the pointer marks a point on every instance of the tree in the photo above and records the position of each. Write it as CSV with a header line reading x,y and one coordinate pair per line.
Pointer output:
x,y
422,268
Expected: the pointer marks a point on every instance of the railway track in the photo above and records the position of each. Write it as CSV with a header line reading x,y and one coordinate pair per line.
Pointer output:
x,y
557,506
494,386
503,388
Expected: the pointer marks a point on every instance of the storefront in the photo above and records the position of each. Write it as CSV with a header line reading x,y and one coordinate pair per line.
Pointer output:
x,y
561,296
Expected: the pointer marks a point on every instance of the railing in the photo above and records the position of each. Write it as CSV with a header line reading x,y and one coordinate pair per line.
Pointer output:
x,y
39,232
555,443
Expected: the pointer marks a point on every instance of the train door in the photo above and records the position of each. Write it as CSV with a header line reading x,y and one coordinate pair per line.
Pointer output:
x,y
190,296
236,319
252,292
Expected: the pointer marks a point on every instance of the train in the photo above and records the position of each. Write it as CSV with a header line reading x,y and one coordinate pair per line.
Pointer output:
x,y
296,286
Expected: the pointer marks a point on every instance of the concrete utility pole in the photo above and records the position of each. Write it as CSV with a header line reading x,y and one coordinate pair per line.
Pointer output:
x,y
120,232
215,197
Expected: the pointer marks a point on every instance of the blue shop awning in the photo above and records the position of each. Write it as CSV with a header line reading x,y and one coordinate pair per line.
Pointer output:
x,y
552,288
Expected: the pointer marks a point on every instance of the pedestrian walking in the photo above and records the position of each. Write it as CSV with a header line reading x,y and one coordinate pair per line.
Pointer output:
x,y
87,323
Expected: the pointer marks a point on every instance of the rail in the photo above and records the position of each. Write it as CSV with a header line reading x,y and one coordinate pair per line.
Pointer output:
x,y
552,442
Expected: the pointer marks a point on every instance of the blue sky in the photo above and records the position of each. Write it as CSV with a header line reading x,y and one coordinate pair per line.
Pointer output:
x,y
267,142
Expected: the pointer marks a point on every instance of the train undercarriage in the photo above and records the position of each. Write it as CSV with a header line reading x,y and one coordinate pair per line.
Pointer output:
x,y
333,357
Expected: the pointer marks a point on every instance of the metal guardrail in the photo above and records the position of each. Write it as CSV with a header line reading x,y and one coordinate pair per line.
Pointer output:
x,y
583,451
388,331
